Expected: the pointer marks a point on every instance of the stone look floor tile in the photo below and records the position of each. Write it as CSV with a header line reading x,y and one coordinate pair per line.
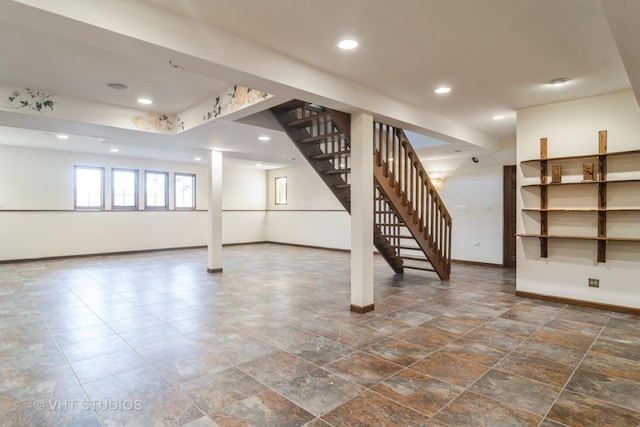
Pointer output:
x,y
319,391
450,369
321,351
624,336
471,409
396,351
277,368
427,337
609,389
110,364
474,352
363,369
512,326
166,408
577,410
613,348
612,366
370,409
546,371
526,394
217,391
536,347
417,391
189,367
267,408
244,348
567,339
494,339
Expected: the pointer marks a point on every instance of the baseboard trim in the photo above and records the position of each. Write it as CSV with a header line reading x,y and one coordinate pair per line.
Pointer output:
x,y
61,257
581,303
478,263
361,310
308,246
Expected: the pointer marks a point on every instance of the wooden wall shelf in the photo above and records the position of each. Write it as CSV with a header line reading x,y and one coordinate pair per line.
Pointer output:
x,y
600,173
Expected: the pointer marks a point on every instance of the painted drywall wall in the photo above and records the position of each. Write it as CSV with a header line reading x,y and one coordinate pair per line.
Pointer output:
x,y
244,202
572,129
312,216
37,218
473,194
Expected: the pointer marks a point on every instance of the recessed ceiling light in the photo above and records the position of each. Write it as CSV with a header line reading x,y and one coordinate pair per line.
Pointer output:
x,y
118,86
61,136
292,158
197,159
457,151
264,138
145,101
348,44
558,82
258,164
114,150
443,89
498,117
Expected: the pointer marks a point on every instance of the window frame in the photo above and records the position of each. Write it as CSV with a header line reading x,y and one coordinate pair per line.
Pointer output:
x,y
75,188
166,190
175,191
278,184
136,189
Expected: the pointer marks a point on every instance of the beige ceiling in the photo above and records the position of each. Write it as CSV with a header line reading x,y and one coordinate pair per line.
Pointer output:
x,y
495,54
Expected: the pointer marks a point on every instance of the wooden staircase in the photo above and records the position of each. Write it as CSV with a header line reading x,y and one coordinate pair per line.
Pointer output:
x,y
412,227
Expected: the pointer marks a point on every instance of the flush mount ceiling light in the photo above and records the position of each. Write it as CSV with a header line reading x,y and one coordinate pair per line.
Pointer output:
x,y
118,86
197,159
61,136
259,164
558,82
114,150
498,117
348,44
264,138
442,90
145,101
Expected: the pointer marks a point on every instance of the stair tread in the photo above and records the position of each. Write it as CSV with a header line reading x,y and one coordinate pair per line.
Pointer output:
x,y
321,138
414,258
393,224
314,119
418,268
342,186
331,155
337,171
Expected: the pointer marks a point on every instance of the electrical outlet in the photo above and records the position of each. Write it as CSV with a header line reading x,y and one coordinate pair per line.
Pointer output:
x,y
594,283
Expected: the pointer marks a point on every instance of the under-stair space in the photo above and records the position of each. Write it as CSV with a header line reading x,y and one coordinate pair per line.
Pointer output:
x,y
412,227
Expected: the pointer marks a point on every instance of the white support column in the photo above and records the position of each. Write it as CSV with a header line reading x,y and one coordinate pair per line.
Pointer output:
x,y
214,241
361,213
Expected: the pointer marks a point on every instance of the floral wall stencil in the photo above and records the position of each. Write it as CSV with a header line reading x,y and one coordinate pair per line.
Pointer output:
x,y
167,123
234,100
30,99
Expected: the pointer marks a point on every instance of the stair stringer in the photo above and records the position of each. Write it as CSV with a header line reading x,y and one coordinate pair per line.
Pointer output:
x,y
403,211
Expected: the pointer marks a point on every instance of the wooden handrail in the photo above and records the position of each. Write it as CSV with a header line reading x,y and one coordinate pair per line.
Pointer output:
x,y
406,175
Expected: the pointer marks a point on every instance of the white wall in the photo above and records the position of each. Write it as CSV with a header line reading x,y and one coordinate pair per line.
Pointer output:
x,y
37,217
244,203
312,216
473,194
572,129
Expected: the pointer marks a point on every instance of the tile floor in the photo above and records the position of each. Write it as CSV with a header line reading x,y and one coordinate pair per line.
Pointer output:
x,y
153,340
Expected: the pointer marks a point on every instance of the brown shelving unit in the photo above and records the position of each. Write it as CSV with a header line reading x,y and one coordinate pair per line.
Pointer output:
x,y
600,180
